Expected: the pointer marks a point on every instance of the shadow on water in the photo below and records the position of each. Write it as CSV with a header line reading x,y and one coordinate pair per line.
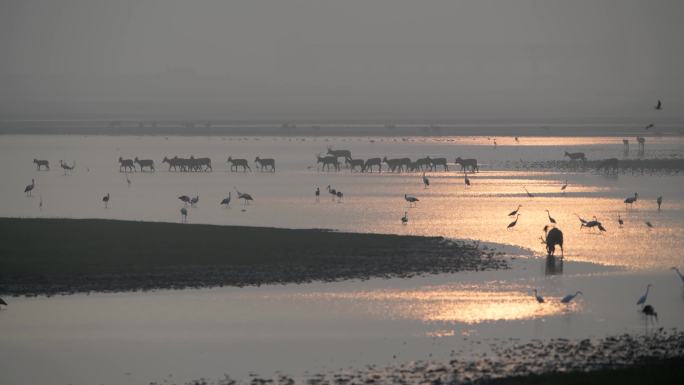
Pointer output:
x,y
553,265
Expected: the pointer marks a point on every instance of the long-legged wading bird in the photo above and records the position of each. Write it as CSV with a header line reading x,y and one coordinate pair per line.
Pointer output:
x,y
226,200
529,194
105,199
246,197
649,311
185,199
659,201
568,298
29,188
318,193
404,219
538,297
194,200
620,221
332,192
642,299
411,200
678,273
426,181
631,200
184,214
514,212
550,218
515,222
582,221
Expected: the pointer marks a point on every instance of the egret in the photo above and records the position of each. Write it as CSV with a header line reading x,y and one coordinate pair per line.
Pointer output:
x,y
642,300
649,311
538,297
514,212
318,193
514,222
29,188
550,218
404,219
563,187
649,224
630,200
659,201
226,200
678,273
568,298
582,221
620,221
194,200
105,199
426,181
529,194
411,199
185,199
184,214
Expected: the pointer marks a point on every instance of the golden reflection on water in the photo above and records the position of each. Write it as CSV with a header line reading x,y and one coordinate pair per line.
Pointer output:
x,y
448,304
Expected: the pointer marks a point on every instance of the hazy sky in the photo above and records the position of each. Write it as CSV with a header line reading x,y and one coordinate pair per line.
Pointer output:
x,y
338,58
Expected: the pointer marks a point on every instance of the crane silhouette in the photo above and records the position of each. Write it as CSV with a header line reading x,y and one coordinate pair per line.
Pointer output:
x,y
29,188
105,199
246,197
659,105
529,194
411,200
659,201
550,218
538,297
226,200
514,212
678,273
568,298
649,311
620,221
318,193
631,200
194,200
642,299
515,222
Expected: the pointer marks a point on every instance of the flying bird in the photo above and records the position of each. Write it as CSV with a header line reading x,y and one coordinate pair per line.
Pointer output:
x,y
651,125
515,222
514,212
194,200
538,297
642,299
105,199
568,298
529,194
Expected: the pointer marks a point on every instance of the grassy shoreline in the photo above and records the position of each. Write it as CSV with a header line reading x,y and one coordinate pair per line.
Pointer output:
x,y
51,256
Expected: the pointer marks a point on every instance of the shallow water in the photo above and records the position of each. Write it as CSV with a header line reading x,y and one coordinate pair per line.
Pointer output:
x,y
372,202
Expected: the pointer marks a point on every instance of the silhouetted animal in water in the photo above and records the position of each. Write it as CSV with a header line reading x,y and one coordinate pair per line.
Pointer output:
x,y
467,163
404,219
317,193
649,311
105,199
568,298
266,164
142,163
174,163
550,218
554,236
515,222
411,200
41,163
235,163
226,200
631,200
370,163
436,162
659,105
327,161
642,299
514,212
593,223
659,201
29,188
353,164
609,165
397,164
576,156
126,165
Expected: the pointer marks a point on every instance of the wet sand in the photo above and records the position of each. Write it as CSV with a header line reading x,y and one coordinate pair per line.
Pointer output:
x,y
60,256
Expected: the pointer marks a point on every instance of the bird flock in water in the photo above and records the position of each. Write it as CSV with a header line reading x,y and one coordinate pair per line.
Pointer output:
x,y
330,161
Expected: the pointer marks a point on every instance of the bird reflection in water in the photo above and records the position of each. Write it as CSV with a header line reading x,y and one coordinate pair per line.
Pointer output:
x,y
553,265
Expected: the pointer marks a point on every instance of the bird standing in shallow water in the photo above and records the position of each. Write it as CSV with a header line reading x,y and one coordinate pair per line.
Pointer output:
x,y
538,297
649,311
105,199
410,199
620,221
550,218
404,219
568,298
642,300
630,200
318,193
514,212
515,222
659,201
678,273
426,181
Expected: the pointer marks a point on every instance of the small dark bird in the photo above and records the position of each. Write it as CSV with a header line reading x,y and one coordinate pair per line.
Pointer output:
x,y
515,222
550,218
649,311
29,188
650,125
514,212
620,221
659,201
184,214
538,297
649,224
105,199
659,105
404,219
